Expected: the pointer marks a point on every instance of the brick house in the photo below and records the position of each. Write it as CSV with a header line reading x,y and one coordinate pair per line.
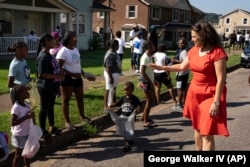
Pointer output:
x,y
175,15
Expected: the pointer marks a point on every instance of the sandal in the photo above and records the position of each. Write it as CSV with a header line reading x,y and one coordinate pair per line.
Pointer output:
x,y
149,125
55,131
149,120
126,148
69,126
86,119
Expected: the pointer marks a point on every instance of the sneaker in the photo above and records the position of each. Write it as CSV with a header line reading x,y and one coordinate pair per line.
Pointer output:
x,y
136,71
174,107
179,107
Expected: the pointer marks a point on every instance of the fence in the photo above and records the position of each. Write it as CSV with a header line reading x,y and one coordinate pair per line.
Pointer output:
x,y
9,41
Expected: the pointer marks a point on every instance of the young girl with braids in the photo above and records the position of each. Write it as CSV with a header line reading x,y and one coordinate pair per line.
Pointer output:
x,y
19,72
20,115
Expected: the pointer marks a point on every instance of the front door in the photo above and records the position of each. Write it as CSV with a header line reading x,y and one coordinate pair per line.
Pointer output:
x,y
34,24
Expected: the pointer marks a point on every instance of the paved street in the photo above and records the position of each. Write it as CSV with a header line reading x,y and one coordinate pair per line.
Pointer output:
x,y
173,133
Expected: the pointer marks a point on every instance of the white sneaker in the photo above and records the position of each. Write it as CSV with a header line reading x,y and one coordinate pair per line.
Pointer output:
x,y
178,107
137,71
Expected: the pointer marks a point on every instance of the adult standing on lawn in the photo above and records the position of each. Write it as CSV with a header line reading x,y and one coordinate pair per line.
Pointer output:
x,y
112,64
19,72
48,77
206,98
70,63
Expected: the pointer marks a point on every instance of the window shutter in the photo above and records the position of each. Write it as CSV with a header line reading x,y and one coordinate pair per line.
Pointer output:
x,y
127,8
136,11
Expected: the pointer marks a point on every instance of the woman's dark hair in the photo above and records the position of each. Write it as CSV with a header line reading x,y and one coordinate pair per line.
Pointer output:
x,y
207,34
17,44
113,44
16,94
41,43
67,37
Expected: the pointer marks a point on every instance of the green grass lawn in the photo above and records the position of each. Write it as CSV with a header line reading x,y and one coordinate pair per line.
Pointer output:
x,y
92,61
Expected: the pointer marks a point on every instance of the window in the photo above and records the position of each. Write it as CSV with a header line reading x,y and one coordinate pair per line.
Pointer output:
x,y
156,13
131,12
176,15
5,21
245,21
187,17
101,15
227,30
228,21
78,20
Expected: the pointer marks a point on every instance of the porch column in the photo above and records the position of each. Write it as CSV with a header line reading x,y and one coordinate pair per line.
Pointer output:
x,y
106,27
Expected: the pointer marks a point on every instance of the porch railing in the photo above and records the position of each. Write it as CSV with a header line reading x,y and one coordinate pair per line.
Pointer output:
x,y
5,42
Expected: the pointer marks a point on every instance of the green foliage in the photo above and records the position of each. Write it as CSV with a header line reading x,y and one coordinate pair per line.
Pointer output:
x,y
94,42
90,130
212,17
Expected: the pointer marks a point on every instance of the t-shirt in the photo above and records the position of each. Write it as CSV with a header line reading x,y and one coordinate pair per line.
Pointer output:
x,y
128,104
145,61
121,45
54,51
23,128
247,37
20,70
47,64
131,34
138,43
112,60
182,54
72,59
160,59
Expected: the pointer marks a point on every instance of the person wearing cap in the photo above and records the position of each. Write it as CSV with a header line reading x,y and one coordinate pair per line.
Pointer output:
x,y
137,50
70,63
58,45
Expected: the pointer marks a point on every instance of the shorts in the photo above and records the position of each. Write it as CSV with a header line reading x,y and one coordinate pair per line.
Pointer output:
x,y
18,141
145,85
116,77
182,81
69,81
162,78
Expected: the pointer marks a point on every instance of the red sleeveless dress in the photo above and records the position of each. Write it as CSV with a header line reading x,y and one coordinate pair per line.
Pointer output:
x,y
201,93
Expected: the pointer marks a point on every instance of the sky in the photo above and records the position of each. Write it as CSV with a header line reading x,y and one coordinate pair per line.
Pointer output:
x,y
220,6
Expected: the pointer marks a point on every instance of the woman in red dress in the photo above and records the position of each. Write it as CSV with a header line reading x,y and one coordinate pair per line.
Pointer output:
x,y
206,98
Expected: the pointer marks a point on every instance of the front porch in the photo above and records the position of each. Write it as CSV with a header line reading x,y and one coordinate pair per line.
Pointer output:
x,y
6,42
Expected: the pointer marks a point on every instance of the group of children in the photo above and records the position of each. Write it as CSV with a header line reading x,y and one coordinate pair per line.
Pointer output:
x,y
151,82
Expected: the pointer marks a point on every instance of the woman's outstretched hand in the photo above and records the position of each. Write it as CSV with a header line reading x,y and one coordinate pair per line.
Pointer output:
x,y
154,66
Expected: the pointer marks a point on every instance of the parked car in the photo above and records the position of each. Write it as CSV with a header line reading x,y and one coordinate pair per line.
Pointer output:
x,y
245,57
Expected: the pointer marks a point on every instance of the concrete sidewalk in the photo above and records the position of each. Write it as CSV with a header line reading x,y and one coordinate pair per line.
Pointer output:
x,y
173,133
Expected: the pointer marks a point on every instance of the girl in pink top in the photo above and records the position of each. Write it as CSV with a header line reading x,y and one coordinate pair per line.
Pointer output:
x,y
20,115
